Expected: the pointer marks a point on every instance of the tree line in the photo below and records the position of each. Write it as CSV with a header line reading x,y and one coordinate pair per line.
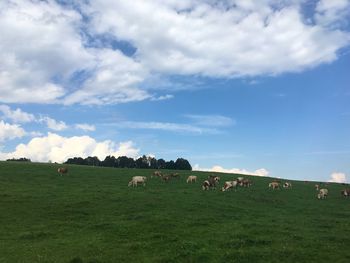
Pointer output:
x,y
144,162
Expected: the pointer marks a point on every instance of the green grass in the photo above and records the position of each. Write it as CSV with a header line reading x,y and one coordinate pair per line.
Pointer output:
x,y
91,215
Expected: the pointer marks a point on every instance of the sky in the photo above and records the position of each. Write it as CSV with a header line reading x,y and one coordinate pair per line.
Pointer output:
x,y
257,87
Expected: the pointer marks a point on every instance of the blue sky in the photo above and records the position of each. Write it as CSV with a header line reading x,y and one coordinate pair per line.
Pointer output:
x,y
259,88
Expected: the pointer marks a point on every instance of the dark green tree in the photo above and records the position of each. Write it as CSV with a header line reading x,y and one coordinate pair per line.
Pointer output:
x,y
182,164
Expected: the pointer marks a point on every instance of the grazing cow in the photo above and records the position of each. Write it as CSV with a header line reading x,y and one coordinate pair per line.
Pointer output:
x,y
156,174
166,177
246,183
138,180
317,187
210,183
240,180
287,185
62,170
345,192
274,185
175,175
191,179
323,193
229,185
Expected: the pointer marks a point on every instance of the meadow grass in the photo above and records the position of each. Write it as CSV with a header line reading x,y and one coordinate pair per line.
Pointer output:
x,y
91,215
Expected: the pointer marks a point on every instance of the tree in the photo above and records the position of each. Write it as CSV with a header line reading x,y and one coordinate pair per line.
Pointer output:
x,y
152,162
109,161
93,161
170,165
142,162
161,164
182,164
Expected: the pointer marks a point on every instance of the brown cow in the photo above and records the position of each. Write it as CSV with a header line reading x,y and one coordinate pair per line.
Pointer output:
x,y
156,174
210,183
62,170
175,175
274,185
246,183
166,177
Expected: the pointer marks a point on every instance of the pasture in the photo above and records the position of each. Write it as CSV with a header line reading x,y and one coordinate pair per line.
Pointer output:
x,y
91,215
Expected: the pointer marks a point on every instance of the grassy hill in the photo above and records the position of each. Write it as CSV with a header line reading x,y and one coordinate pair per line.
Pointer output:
x,y
91,215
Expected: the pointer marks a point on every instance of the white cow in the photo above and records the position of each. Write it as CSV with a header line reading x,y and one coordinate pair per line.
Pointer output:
x,y
191,179
323,193
138,180
229,185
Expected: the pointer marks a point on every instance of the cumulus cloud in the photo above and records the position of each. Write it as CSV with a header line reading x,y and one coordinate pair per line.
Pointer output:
x,y
58,148
337,177
115,80
10,131
17,115
219,38
61,63
220,169
54,54
332,13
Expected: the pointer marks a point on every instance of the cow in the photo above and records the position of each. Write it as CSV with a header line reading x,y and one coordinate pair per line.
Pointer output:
x,y
166,177
210,183
287,185
215,177
62,170
323,193
240,180
156,174
191,179
175,175
138,180
229,185
345,193
246,183
274,185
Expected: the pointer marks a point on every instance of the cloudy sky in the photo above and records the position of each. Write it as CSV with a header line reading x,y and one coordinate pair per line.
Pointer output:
x,y
259,87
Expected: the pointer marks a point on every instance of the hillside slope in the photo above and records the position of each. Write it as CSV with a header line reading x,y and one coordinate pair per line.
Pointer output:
x,y
91,215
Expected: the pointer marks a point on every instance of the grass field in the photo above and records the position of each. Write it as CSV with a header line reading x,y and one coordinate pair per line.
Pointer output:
x,y
91,215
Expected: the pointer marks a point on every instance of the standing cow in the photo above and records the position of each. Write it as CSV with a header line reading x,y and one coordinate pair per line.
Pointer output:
x,y
156,174
229,185
137,180
323,193
191,179
62,170
274,185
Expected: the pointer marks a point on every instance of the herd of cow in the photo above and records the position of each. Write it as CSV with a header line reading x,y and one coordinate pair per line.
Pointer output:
x,y
213,181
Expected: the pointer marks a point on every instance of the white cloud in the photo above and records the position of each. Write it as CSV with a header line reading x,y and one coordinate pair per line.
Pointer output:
x,y
332,12
338,177
59,64
85,127
212,38
58,149
219,169
54,53
38,42
17,116
53,124
115,80
10,131
167,126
